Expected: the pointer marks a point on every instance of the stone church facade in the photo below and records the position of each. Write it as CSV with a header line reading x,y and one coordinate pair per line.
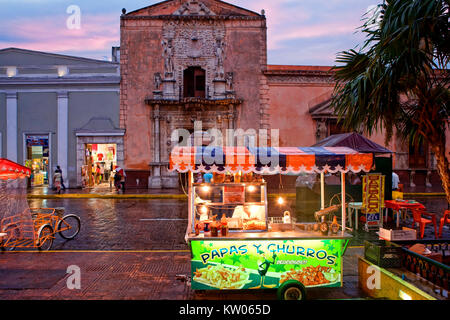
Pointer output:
x,y
185,61
188,61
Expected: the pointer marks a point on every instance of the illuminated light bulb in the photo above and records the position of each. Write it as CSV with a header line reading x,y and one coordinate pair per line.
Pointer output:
x,y
204,210
280,200
205,188
253,210
11,72
62,71
251,188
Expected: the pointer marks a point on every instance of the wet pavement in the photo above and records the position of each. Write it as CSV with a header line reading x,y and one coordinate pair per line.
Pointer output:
x,y
133,249
132,275
110,224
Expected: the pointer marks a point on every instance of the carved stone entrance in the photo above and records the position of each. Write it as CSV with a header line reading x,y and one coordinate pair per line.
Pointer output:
x,y
168,116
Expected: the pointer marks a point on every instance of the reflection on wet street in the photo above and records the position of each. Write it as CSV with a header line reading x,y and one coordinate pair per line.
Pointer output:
x,y
110,224
159,224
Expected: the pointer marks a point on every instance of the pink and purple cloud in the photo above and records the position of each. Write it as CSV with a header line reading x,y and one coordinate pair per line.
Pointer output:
x,y
299,31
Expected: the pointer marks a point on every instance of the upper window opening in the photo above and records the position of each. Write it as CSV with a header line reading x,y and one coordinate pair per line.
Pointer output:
x,y
194,82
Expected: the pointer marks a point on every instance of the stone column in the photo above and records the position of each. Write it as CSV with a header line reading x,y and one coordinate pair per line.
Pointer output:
x,y
63,134
155,181
231,116
11,126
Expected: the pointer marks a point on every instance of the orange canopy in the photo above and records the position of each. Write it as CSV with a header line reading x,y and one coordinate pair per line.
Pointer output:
x,y
269,160
12,170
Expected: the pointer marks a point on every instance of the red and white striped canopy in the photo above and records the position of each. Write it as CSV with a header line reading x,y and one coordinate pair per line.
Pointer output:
x,y
269,160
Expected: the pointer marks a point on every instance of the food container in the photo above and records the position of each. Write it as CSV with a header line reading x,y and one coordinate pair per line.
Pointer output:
x,y
383,253
214,229
206,225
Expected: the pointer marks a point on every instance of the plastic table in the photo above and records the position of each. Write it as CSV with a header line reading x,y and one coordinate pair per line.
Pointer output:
x,y
399,205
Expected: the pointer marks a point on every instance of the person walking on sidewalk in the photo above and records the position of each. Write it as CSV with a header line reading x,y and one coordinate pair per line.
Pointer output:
x,y
123,176
58,169
57,177
119,179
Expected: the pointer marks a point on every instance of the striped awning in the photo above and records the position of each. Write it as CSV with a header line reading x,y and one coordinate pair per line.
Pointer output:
x,y
269,160
12,170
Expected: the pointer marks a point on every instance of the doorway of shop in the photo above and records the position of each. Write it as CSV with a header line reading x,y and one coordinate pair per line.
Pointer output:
x,y
37,157
100,163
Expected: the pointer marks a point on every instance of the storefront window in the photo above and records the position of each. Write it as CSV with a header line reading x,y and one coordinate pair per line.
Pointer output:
x,y
37,158
100,162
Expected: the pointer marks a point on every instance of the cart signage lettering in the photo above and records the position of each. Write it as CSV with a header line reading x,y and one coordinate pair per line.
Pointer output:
x,y
223,264
373,196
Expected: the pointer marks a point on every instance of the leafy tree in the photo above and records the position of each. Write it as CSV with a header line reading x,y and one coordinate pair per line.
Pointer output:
x,y
398,79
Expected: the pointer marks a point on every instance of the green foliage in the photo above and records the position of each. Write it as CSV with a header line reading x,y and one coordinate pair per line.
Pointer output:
x,y
398,80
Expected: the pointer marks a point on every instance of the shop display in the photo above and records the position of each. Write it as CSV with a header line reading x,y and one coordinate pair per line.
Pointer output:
x,y
37,159
100,163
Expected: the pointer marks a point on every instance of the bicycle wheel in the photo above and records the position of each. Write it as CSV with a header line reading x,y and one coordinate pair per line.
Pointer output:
x,y
69,226
13,234
45,238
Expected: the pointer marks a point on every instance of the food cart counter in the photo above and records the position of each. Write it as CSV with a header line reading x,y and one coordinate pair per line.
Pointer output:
x,y
279,235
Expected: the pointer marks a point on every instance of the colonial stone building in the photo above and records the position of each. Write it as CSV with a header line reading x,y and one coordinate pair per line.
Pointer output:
x,y
187,61
184,61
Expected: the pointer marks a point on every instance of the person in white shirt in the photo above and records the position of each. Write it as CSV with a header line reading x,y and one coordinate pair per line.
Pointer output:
x,y
395,181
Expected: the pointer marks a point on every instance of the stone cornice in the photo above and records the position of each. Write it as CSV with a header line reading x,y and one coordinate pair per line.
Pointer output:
x,y
193,101
193,17
59,81
315,73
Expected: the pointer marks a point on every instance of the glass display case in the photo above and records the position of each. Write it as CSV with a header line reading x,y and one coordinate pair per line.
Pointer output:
x,y
242,205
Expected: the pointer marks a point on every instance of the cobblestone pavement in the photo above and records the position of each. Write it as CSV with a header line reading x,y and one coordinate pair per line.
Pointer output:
x,y
110,224
130,275
131,249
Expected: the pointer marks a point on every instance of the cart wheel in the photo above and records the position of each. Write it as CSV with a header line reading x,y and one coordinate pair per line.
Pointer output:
x,y
291,290
69,226
45,238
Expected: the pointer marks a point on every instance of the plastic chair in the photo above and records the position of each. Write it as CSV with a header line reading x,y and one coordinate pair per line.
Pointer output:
x,y
445,219
417,218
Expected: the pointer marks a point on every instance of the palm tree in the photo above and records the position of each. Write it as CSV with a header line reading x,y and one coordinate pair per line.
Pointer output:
x,y
397,80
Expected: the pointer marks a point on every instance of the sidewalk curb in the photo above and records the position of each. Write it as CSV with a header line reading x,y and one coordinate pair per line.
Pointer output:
x,y
176,196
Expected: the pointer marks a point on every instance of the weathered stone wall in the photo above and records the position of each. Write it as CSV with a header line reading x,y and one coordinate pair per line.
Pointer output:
x,y
142,57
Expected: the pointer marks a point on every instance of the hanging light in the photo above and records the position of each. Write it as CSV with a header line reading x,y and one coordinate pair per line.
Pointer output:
x,y
204,209
280,200
251,188
206,188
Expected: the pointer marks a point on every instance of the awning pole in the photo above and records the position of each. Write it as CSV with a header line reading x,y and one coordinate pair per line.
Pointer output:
x,y
191,224
343,208
322,191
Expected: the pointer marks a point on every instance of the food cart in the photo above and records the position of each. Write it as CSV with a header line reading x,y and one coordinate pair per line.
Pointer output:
x,y
236,244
